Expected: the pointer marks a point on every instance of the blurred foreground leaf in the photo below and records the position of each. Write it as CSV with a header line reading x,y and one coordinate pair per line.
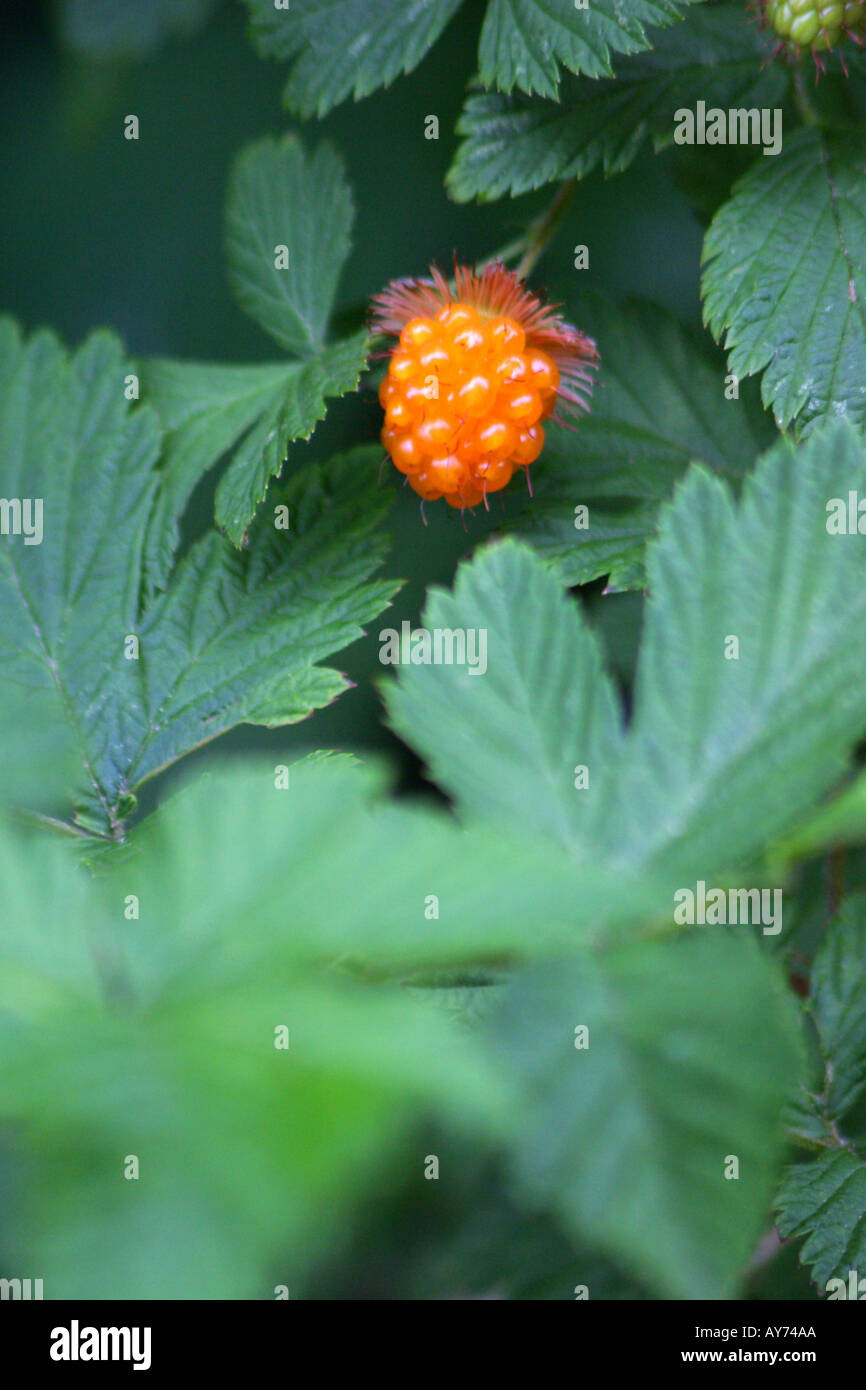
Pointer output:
x,y
690,1049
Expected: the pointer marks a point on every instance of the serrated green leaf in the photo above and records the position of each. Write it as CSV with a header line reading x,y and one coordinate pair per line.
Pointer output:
x,y
281,197
523,42
837,1005
324,846
784,281
692,1044
344,48
44,766
693,783
300,406
507,740
515,143
278,198
254,412
234,637
686,792
204,409
661,402
824,1199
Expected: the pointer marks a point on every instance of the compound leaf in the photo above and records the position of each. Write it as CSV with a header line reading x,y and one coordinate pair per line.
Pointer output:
x,y
749,659
235,636
514,143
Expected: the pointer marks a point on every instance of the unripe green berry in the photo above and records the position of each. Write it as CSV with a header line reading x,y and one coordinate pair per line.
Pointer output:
x,y
808,24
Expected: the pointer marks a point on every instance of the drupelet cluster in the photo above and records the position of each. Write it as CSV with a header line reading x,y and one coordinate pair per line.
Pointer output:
x,y
810,25
464,401
473,376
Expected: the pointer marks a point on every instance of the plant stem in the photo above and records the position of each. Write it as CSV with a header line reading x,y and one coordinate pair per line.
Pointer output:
x,y
509,252
544,229
532,243
803,100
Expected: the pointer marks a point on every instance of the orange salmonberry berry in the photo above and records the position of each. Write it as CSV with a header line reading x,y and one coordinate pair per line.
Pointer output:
x,y
402,367
470,496
513,367
494,473
449,472
433,432
474,375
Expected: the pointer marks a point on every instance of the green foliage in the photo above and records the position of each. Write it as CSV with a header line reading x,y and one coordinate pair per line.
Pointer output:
x,y
705,728
233,637
838,1009
282,206
278,197
686,788
823,1198
837,823
204,410
524,41
629,1137
657,407
341,48
682,792
495,972
513,143
302,404
333,836
506,743
253,412
785,279
156,1037
172,1003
